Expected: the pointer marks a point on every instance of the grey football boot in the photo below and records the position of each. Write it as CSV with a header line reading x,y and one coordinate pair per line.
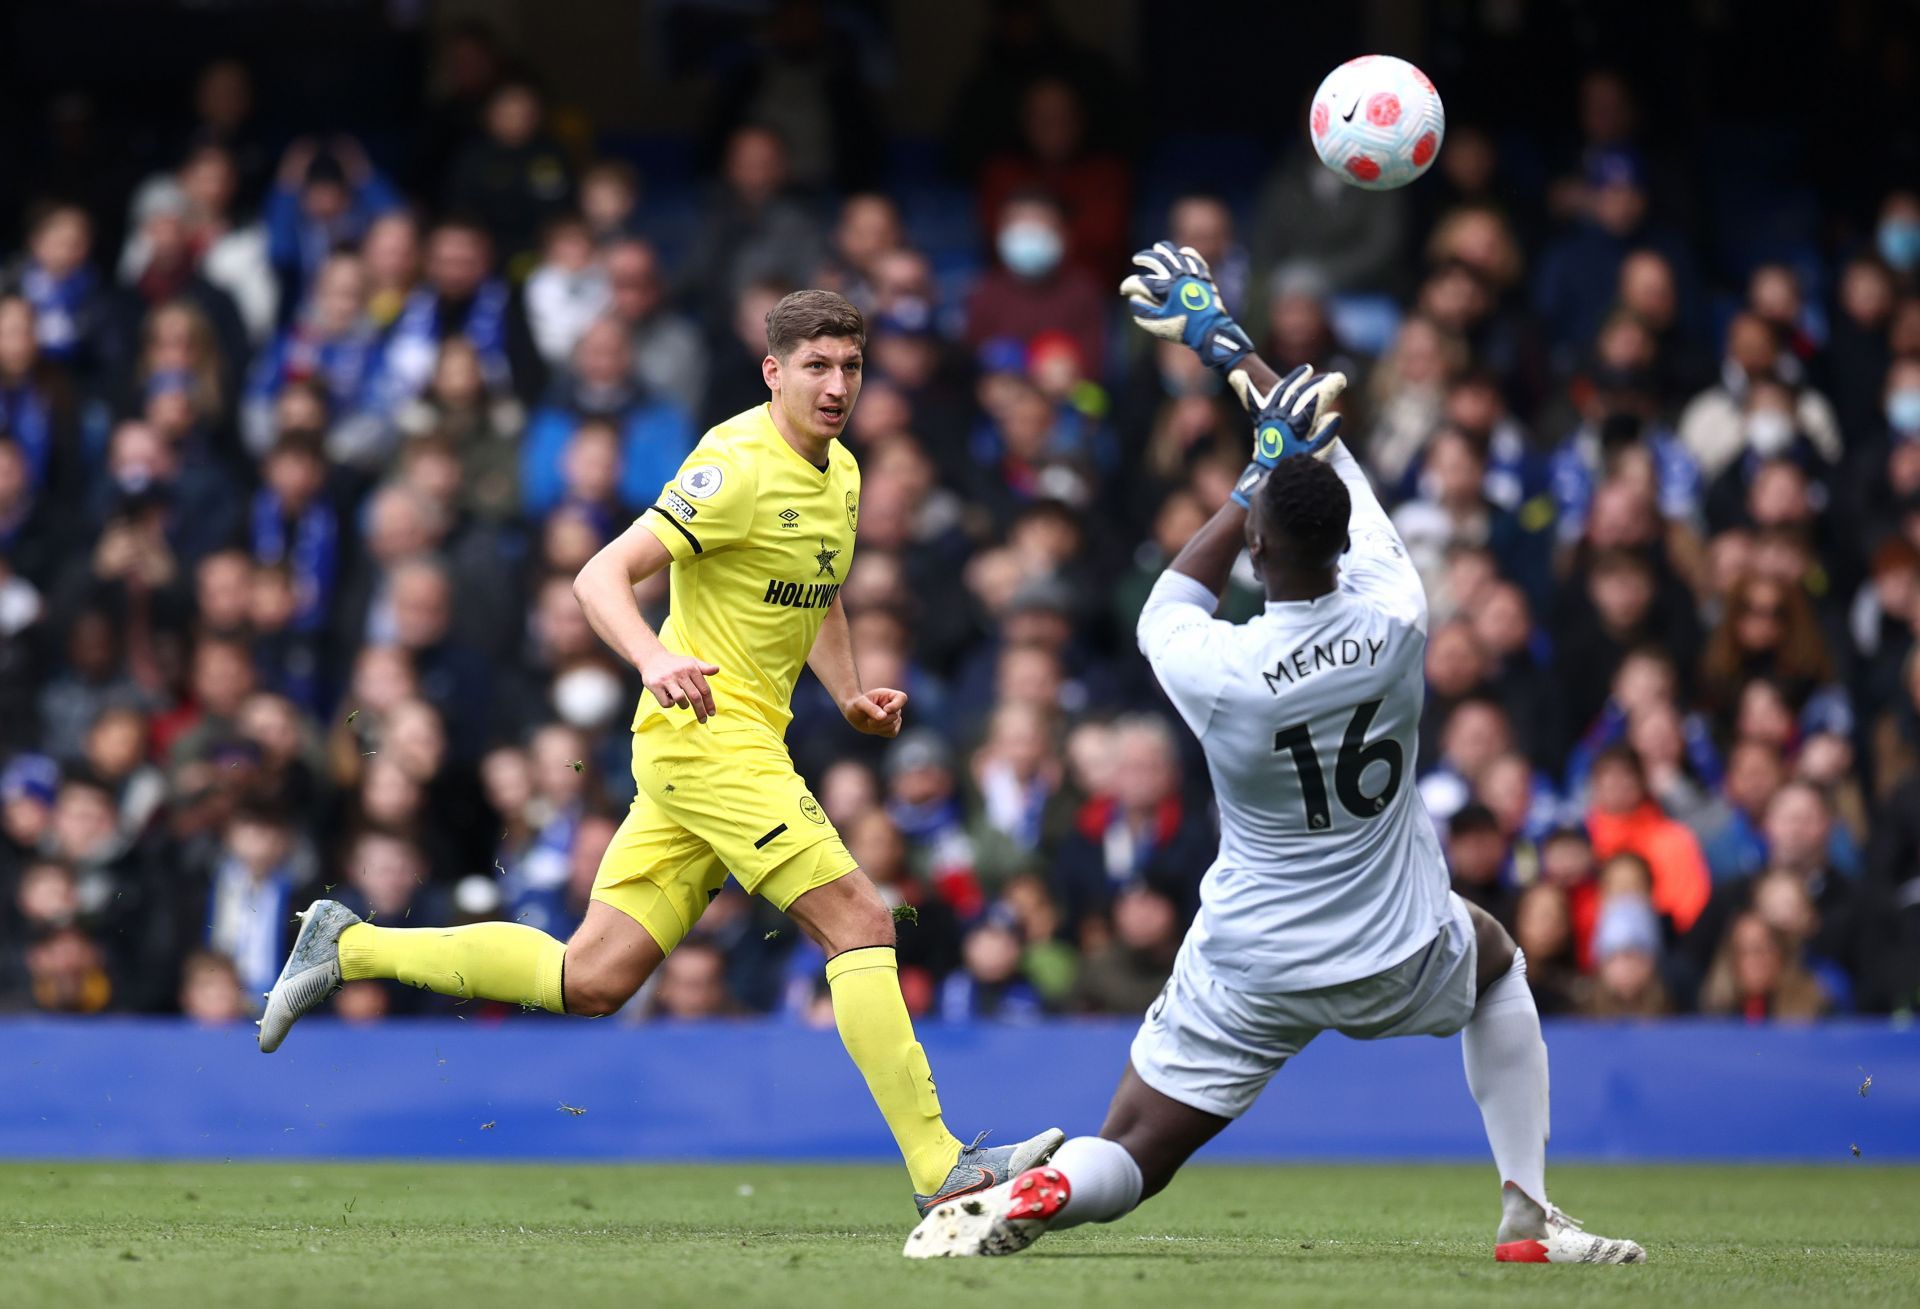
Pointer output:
x,y
311,974
981,1167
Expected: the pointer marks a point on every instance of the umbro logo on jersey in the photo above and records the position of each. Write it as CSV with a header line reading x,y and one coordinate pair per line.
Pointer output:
x,y
789,518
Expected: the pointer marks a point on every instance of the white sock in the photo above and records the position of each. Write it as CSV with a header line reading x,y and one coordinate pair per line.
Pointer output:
x,y
1507,1073
1103,1179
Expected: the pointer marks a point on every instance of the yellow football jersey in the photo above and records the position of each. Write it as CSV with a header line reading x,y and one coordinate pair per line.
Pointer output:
x,y
761,541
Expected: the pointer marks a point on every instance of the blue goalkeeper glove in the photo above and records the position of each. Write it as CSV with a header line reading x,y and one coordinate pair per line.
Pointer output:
x,y
1286,422
1174,297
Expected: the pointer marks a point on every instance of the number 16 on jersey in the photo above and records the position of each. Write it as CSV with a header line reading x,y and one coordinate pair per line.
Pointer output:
x,y
1356,753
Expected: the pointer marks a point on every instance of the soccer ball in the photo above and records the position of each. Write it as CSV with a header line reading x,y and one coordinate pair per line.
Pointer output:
x,y
1377,122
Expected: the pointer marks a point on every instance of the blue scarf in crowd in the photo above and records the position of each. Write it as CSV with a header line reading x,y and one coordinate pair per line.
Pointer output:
x,y
312,553
345,366
26,416
58,304
414,346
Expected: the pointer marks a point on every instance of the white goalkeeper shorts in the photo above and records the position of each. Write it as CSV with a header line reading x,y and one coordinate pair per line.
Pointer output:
x,y
1211,1046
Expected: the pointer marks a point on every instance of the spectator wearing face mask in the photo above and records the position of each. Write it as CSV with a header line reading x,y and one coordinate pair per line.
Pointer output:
x,y
1896,237
1770,427
1902,402
1714,425
1055,156
1032,288
1886,465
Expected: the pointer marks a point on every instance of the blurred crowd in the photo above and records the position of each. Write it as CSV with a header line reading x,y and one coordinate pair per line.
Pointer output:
x,y
296,471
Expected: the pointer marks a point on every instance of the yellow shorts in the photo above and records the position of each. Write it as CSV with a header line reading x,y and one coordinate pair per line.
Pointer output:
x,y
712,800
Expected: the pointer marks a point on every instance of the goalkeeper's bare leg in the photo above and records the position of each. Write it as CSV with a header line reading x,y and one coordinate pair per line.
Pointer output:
x,y
1148,1136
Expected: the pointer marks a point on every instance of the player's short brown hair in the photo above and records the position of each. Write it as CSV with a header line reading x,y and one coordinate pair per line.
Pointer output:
x,y
803,315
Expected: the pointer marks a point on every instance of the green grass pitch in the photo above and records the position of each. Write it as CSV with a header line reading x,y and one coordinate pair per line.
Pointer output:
x,y
734,1236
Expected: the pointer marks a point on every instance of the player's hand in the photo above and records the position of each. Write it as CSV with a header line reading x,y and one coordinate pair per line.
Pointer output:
x,y
1286,421
876,712
680,682
1174,297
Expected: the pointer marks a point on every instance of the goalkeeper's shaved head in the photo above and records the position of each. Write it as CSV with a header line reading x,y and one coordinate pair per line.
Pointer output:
x,y
1299,524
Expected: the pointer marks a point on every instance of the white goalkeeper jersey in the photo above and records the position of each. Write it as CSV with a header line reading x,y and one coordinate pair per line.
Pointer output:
x,y
1329,870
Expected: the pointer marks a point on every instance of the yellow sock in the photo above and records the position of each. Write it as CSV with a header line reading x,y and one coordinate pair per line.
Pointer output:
x,y
487,961
878,1034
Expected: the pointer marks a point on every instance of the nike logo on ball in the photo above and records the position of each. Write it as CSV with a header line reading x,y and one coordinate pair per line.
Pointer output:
x,y
1348,116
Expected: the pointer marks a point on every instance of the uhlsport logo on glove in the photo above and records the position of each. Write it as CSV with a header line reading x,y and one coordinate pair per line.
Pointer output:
x,y
1271,439
1174,298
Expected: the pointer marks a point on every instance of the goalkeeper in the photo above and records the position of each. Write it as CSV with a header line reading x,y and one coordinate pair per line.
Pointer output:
x,y
1328,907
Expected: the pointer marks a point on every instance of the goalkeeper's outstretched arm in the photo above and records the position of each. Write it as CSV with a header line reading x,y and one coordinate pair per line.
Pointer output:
x,y
1172,295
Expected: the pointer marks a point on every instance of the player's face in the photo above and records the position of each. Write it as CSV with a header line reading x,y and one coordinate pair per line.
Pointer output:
x,y
816,385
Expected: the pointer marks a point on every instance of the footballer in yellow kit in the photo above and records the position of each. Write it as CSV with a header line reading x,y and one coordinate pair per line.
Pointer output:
x,y
761,541
757,532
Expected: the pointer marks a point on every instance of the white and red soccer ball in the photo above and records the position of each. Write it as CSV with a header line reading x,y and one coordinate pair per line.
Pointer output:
x,y
1377,122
